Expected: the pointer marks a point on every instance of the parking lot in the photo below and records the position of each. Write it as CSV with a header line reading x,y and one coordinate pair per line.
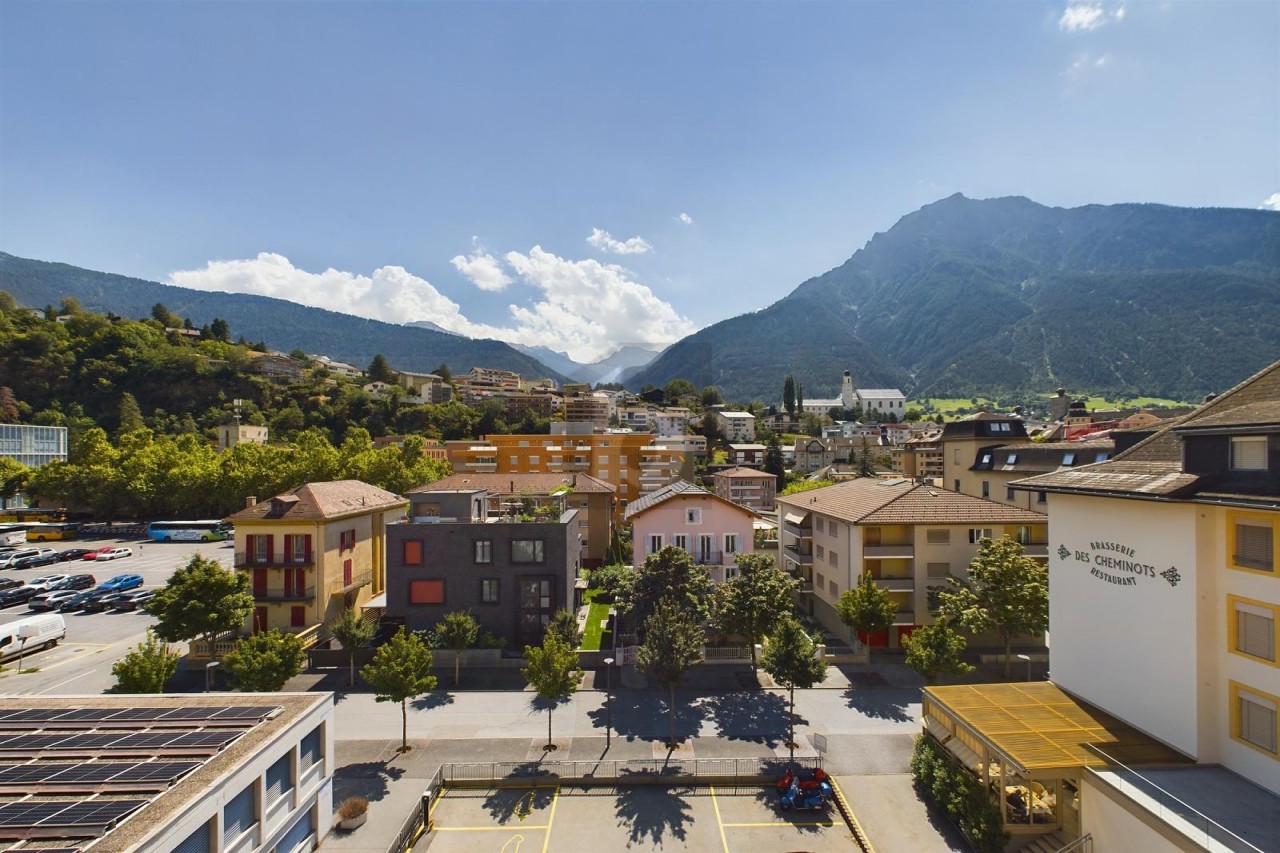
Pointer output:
x,y
82,662
726,818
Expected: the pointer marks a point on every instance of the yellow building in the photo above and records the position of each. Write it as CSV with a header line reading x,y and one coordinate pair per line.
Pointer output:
x,y
314,551
634,464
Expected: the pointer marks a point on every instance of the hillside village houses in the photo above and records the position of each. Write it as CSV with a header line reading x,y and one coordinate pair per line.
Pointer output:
x,y
1164,597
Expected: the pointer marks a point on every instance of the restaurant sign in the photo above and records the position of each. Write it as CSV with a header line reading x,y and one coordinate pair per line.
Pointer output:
x,y
1117,564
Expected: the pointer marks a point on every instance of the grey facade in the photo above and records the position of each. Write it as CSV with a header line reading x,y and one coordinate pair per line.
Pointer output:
x,y
511,574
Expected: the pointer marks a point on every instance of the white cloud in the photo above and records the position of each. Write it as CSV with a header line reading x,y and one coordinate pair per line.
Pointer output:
x,y
605,242
1088,15
1272,202
483,269
685,218
585,307
1085,62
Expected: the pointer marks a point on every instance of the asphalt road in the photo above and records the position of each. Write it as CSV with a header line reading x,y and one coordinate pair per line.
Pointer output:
x,y
82,663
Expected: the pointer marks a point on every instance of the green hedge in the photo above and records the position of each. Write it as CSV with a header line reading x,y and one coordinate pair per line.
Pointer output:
x,y
960,794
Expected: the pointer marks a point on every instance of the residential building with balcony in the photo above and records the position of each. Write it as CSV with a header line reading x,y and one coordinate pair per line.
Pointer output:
x,y
481,383
713,530
908,536
747,454
996,467
673,420
1164,593
737,427
961,440
588,408
511,571
749,487
313,552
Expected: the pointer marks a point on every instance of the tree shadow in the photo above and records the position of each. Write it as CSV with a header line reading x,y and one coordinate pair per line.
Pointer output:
x,y
651,812
643,715
802,821
434,699
757,717
507,804
879,704
368,779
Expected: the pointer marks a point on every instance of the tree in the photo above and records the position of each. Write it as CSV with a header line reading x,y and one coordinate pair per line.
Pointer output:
x,y
773,461
264,662
399,671
130,416
867,608
146,667
552,671
353,631
670,574
865,460
200,600
444,373
564,625
220,330
677,388
13,475
934,650
752,603
380,371
8,406
791,660
1006,592
799,397
789,396
459,630
672,646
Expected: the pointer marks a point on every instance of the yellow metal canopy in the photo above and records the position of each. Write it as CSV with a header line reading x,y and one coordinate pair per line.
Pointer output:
x,y
1039,728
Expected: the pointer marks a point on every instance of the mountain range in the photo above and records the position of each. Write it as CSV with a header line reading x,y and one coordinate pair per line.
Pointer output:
x,y
963,296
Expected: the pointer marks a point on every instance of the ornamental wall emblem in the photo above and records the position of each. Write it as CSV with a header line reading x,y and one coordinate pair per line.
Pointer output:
x,y
1171,575
1063,552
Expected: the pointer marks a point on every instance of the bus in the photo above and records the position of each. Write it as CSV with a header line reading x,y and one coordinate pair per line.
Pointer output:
x,y
13,534
27,513
207,530
51,530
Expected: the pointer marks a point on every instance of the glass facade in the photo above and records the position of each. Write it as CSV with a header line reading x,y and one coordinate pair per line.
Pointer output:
x,y
33,445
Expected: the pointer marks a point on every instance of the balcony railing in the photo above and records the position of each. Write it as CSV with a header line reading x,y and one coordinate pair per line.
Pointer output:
x,y
250,560
199,649
904,617
1035,550
873,552
797,556
307,594
798,531
897,584
707,558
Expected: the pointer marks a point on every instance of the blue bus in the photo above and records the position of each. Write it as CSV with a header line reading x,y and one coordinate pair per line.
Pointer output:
x,y
207,530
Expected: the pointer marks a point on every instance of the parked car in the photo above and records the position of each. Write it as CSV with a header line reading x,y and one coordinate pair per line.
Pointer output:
x,y
10,583
132,600
82,599
51,600
8,558
104,599
122,583
31,634
47,582
17,595
72,554
79,582
46,557
109,554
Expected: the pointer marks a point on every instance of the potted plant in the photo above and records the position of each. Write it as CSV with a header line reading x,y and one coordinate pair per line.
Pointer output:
x,y
353,812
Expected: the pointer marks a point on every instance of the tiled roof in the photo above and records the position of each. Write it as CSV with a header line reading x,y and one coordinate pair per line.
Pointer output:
x,y
741,472
675,489
1043,457
332,499
871,501
516,484
1153,467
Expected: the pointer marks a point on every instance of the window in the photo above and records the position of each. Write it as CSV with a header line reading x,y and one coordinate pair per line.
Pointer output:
x,y
693,515
939,570
484,550
1068,459
535,460
1249,453
955,485
956,460
412,552
1010,494
239,815
311,750
196,842
488,590
681,541
1023,535
297,617
820,552
515,461
1254,546
833,528
978,533
426,592
279,778
986,489
526,551
821,581
731,543
819,524
833,558
1253,628
1254,718
1042,497
1011,459
986,459
834,588
937,536
655,543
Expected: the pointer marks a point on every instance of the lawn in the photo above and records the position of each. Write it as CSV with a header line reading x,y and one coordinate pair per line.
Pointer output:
x,y
592,632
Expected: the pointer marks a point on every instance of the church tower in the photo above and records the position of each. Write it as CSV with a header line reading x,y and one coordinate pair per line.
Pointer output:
x,y
848,398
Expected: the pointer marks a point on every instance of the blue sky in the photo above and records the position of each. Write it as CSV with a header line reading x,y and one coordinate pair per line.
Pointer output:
x,y
587,175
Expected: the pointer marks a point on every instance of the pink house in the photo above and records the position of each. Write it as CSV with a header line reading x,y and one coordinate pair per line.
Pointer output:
x,y
713,530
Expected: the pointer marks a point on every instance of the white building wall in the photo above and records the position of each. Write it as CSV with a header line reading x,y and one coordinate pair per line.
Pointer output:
x,y
1119,826
1122,639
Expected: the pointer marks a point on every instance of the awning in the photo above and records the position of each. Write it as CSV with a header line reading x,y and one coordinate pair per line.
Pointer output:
x,y
378,601
796,518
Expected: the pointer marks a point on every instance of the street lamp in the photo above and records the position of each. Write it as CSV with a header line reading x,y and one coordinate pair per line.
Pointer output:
x,y
1026,658
608,702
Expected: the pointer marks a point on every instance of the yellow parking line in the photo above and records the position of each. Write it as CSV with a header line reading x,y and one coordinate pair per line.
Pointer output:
x,y
779,823
715,803
488,828
555,798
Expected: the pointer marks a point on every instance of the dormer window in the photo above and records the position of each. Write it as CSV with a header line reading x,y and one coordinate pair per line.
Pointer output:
x,y
1012,459
1068,459
1249,453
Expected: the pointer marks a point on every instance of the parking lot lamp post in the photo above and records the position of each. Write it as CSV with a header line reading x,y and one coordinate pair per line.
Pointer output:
x,y
1026,658
608,702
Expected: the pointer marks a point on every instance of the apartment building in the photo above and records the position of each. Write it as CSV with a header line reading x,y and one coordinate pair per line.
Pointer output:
x,y
907,535
996,467
713,530
737,427
314,551
481,383
747,454
428,387
673,420
961,439
748,487
1164,596
587,408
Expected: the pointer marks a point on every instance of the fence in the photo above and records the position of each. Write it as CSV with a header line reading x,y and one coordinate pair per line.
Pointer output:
x,y
418,819
630,771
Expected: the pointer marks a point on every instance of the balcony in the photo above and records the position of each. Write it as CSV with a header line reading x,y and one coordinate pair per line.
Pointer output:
x,y
357,581
888,552
804,584
270,595
900,583
707,558
904,617
249,560
795,555
1035,550
657,462
479,467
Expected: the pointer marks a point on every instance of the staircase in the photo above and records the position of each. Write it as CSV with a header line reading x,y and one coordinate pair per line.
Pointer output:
x,y
1057,843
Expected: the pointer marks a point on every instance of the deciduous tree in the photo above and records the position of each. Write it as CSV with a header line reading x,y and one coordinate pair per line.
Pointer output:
x,y
867,607
756,600
564,624
791,660
400,671
146,667
670,574
264,662
934,650
672,646
200,600
459,630
353,630
552,671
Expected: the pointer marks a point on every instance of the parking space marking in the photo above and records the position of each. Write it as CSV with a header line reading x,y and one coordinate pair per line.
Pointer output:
x,y
779,823
715,804
555,798
486,828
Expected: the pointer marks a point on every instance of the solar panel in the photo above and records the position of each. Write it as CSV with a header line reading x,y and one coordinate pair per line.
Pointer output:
x,y
84,819
31,718
146,743
117,774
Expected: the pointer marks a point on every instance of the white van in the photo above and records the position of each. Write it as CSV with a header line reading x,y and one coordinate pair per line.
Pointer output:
x,y
31,634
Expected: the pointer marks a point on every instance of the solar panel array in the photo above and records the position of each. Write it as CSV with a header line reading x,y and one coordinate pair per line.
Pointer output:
x,y
94,775
204,715
60,818
120,743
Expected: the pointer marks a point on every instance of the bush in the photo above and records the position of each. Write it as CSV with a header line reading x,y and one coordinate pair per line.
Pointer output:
x,y
969,804
610,580
353,807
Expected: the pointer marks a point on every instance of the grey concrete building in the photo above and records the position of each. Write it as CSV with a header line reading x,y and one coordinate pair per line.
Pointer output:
x,y
511,570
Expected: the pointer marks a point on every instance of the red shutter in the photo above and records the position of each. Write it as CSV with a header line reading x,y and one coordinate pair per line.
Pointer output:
x,y
346,572
288,547
259,583
271,547
259,619
307,545
297,617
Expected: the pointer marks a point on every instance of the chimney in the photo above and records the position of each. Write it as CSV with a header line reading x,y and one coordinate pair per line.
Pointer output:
x,y
250,501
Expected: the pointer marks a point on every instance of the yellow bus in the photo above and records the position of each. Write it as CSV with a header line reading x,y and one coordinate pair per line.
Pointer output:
x,y
37,514
51,530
